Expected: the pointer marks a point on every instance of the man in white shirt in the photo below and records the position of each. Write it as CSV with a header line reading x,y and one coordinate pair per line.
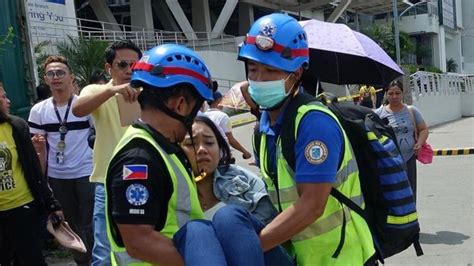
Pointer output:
x,y
69,158
221,119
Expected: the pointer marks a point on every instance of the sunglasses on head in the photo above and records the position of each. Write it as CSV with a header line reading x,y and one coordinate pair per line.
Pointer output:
x,y
58,73
122,65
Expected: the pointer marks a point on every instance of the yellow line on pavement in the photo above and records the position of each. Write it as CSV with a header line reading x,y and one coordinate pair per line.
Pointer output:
x,y
244,121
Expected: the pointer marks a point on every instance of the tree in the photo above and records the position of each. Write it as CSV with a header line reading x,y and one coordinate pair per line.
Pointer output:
x,y
451,65
40,56
383,35
84,56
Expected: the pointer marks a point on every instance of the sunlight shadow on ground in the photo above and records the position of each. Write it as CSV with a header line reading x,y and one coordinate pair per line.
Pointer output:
x,y
443,237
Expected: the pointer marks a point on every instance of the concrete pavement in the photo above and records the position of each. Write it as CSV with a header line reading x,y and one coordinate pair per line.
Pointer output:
x,y
445,197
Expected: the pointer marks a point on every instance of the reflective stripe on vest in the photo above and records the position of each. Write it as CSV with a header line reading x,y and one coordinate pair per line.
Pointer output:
x,y
122,258
322,230
328,223
182,206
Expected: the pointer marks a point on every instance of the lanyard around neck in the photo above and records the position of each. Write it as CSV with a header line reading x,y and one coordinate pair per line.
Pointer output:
x,y
62,122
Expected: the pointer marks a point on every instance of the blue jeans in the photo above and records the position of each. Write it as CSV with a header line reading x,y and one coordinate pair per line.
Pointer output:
x,y
197,243
234,226
101,250
231,239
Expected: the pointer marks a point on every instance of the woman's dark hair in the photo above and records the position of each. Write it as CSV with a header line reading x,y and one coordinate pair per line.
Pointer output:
x,y
98,76
395,83
43,92
111,50
3,116
224,149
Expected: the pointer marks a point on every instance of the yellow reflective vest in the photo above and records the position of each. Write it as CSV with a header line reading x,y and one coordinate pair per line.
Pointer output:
x,y
183,205
317,243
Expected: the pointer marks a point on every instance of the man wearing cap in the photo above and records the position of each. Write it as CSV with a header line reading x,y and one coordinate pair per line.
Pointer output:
x,y
319,229
221,119
150,191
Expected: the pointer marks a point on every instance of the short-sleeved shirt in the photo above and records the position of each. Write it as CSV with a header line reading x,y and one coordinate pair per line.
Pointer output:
x,y
402,124
108,131
77,154
221,120
141,201
318,149
14,190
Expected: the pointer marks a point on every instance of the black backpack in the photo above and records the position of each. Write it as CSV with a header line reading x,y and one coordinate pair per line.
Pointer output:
x,y
390,209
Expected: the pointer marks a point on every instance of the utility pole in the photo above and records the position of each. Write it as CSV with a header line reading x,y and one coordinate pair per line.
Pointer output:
x,y
397,30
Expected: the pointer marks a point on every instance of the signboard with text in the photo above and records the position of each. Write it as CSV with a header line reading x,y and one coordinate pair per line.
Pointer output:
x,y
51,20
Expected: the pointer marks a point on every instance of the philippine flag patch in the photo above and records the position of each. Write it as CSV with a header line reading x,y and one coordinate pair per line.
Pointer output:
x,y
135,172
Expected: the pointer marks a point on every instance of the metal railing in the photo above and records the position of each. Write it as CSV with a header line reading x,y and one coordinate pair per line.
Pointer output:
x,y
109,32
428,83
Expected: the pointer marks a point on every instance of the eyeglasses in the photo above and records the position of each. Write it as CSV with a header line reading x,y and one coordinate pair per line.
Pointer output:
x,y
122,65
58,73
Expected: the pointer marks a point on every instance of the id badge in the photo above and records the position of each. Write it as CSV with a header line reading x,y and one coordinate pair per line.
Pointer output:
x,y
59,157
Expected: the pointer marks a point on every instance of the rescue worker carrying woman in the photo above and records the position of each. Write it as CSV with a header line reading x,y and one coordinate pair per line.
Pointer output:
x,y
320,230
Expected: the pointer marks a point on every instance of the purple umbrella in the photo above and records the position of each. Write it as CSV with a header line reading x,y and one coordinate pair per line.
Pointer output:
x,y
340,55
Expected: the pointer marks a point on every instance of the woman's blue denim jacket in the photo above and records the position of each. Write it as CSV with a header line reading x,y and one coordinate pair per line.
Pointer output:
x,y
241,187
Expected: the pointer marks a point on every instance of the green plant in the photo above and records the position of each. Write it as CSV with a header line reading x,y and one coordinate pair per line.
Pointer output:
x,y
433,69
451,65
7,38
84,56
383,35
422,51
40,56
411,68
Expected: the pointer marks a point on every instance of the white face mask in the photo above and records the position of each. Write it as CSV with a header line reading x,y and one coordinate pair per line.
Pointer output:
x,y
268,94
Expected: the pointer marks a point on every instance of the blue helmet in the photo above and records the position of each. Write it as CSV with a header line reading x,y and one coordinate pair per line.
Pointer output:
x,y
171,64
276,40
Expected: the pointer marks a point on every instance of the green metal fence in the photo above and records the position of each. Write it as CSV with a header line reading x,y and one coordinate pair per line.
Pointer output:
x,y
14,69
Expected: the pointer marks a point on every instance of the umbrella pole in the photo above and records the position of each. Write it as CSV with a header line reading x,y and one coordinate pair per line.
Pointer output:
x,y
317,88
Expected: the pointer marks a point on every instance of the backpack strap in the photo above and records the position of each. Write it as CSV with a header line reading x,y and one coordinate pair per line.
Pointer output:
x,y
356,208
288,141
348,202
287,133
417,246
256,140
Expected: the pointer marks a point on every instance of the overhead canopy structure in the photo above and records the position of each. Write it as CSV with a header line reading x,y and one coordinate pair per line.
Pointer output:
x,y
369,7
374,7
290,5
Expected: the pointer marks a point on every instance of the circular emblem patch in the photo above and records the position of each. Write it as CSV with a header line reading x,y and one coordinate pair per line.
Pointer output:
x,y
137,194
268,29
316,152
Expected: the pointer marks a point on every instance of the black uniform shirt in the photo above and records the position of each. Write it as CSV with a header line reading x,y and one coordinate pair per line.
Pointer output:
x,y
139,185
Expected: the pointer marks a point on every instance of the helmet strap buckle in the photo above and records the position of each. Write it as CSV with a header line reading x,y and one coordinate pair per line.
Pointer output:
x,y
286,53
157,70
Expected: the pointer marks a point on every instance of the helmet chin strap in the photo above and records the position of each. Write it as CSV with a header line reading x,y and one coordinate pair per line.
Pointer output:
x,y
187,121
